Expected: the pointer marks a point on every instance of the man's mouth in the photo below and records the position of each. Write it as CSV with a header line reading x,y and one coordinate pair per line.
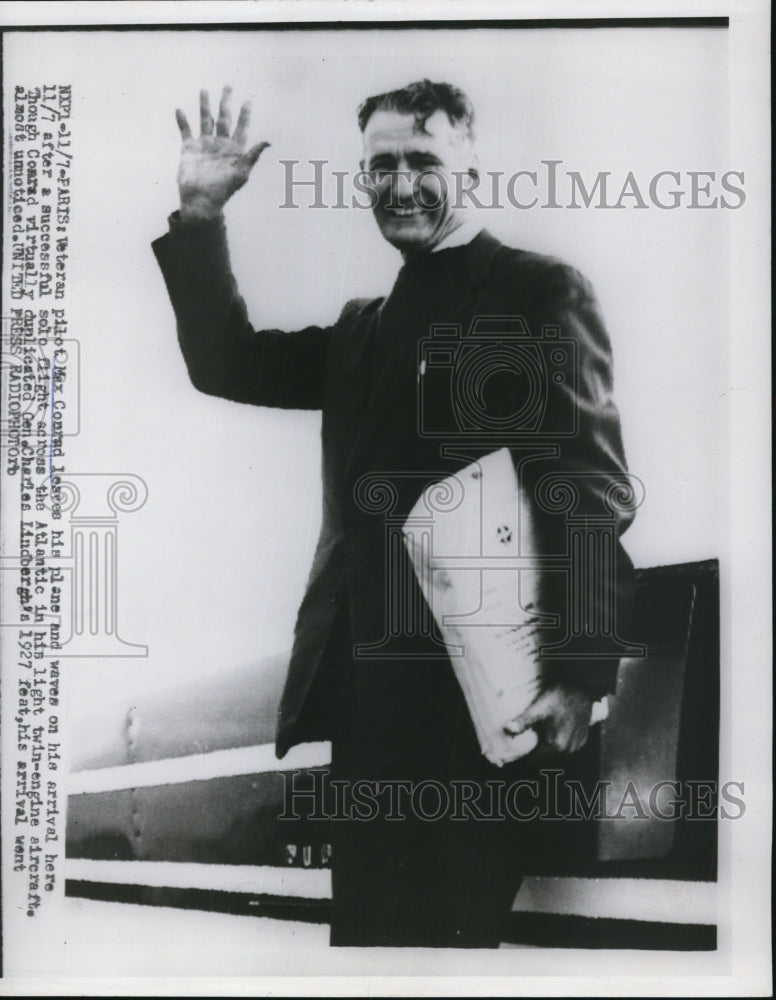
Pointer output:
x,y
404,212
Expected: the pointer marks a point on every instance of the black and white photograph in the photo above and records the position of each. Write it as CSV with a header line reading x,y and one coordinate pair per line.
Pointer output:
x,y
385,539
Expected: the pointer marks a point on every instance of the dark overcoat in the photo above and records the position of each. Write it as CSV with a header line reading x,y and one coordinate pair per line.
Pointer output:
x,y
518,332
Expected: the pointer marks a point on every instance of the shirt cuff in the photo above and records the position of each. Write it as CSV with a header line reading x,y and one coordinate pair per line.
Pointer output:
x,y
185,227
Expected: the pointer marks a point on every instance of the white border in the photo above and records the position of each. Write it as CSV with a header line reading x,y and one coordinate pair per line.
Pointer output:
x,y
743,968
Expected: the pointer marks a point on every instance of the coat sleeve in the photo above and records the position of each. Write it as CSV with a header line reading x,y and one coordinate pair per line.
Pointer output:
x,y
581,483
579,416
224,355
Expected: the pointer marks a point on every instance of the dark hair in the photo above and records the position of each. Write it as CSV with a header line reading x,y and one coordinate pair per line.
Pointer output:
x,y
422,99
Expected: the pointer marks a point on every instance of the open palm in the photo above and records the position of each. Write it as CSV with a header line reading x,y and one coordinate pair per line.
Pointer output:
x,y
216,164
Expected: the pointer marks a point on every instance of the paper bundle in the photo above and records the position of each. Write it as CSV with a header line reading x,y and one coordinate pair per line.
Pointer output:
x,y
471,539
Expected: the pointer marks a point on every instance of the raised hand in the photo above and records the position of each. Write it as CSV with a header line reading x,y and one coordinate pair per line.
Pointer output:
x,y
216,164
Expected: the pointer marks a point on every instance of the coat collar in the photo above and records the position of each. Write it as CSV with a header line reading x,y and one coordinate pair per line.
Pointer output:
x,y
469,262
474,262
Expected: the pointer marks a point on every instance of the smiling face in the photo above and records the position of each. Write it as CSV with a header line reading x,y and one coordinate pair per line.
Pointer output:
x,y
414,174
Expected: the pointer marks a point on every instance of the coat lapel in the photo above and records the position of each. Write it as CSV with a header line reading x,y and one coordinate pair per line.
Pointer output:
x,y
462,296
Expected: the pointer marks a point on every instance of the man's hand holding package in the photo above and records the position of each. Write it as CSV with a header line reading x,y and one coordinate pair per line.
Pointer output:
x,y
561,717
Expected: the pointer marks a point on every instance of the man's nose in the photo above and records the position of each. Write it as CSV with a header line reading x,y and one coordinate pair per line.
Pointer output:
x,y
402,188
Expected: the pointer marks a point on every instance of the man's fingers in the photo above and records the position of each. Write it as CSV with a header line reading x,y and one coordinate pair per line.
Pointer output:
x,y
579,742
577,739
255,152
570,736
516,727
183,125
243,121
560,716
205,115
224,124
533,714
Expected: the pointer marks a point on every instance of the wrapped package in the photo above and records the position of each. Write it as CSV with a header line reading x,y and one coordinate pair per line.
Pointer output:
x,y
471,541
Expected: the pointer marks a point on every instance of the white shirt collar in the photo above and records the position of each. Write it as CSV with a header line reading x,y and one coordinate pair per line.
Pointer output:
x,y
465,233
